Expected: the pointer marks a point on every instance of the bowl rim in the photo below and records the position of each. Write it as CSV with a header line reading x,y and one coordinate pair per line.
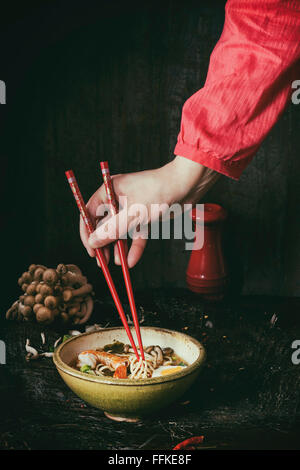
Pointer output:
x,y
62,366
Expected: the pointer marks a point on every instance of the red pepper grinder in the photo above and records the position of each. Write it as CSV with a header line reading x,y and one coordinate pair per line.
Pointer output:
x,y
206,273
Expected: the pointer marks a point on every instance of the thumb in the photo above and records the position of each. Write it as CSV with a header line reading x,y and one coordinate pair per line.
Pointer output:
x,y
113,229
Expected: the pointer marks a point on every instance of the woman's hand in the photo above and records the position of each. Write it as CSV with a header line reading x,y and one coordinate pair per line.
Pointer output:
x,y
180,181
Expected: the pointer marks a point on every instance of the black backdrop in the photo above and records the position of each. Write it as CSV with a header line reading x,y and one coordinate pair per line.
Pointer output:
x,y
107,80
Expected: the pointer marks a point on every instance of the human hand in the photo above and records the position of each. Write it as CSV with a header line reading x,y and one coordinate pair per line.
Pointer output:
x,y
180,181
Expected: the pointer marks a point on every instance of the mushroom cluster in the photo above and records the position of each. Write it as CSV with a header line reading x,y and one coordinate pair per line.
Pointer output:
x,y
48,294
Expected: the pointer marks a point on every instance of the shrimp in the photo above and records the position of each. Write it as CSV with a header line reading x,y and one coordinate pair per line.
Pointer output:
x,y
92,357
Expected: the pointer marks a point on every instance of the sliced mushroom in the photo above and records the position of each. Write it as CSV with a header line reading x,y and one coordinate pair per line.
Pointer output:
x,y
160,356
168,351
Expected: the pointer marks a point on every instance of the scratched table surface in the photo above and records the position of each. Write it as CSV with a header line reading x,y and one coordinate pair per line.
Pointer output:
x,y
246,397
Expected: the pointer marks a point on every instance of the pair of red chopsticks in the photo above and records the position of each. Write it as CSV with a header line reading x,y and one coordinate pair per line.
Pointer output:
x,y
100,255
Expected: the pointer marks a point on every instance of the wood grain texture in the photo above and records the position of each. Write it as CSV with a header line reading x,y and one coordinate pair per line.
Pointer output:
x,y
246,397
109,83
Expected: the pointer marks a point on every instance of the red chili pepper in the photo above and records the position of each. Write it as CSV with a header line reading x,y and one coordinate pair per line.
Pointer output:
x,y
188,444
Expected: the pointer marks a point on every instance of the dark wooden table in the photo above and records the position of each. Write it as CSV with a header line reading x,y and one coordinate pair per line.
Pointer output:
x,y
247,396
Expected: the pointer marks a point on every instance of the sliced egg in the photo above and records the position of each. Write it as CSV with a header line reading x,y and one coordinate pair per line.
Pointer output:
x,y
166,370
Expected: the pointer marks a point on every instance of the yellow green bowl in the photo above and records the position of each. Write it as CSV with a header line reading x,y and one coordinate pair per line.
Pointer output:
x,y
125,399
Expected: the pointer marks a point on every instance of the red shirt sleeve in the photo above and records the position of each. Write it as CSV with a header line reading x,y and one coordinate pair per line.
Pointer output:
x,y
248,84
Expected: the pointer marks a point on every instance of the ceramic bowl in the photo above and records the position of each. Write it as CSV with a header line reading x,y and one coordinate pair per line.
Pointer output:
x,y
125,399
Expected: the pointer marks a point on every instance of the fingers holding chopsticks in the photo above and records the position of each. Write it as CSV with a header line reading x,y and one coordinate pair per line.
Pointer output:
x,y
136,250
97,207
134,254
100,256
109,229
112,229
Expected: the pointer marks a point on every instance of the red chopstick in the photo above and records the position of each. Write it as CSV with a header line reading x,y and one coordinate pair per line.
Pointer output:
x,y
99,254
120,243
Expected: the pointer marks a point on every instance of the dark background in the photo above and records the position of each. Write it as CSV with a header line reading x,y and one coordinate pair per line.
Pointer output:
x,y
88,81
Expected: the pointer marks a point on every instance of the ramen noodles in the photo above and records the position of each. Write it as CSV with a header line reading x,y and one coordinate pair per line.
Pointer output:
x,y
119,360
